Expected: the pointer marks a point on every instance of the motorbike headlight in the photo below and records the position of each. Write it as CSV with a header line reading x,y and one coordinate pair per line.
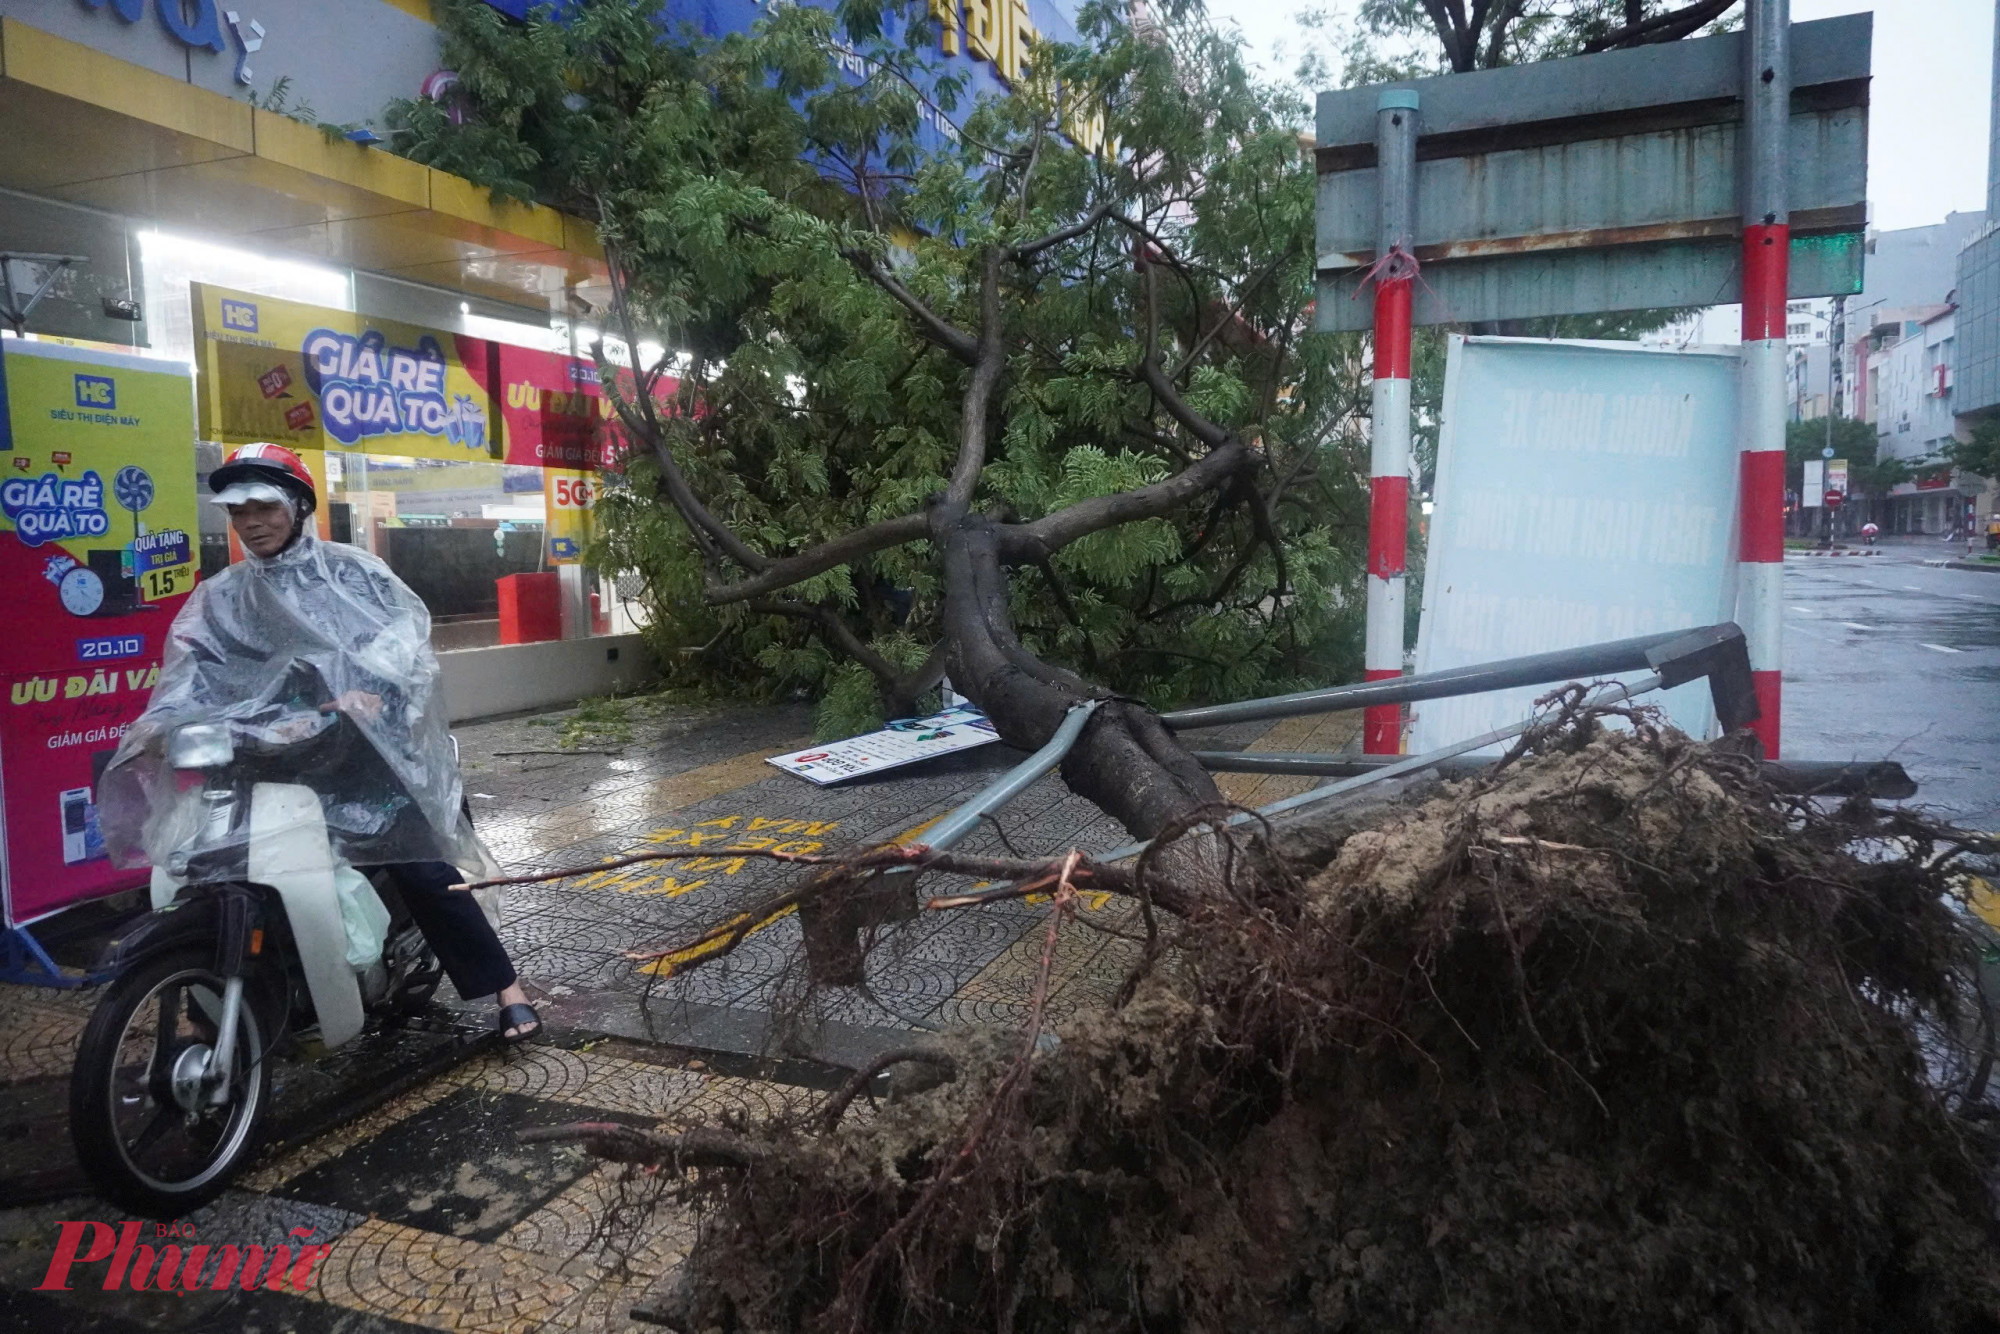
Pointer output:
x,y
200,746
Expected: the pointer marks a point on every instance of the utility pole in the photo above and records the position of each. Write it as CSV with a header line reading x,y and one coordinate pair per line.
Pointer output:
x,y
1767,97
1389,437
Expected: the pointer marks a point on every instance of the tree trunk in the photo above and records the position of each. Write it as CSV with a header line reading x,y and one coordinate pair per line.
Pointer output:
x,y
1126,761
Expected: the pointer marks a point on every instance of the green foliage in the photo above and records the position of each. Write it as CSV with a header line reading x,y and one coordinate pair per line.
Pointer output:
x,y
1868,473
735,180
1980,455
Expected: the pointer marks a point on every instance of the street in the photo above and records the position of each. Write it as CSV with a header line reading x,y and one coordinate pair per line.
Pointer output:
x,y
1888,658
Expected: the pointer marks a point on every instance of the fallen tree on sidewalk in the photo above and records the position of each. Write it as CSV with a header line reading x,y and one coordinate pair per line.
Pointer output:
x,y
1613,1037
1023,392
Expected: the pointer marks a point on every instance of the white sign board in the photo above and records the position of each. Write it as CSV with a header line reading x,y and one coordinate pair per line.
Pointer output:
x,y
1585,492
902,742
1813,492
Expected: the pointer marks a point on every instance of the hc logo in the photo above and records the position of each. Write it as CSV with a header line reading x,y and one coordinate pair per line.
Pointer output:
x,y
96,391
240,316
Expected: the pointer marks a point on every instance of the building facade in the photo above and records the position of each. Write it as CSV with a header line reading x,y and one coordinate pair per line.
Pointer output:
x,y
1976,388
163,149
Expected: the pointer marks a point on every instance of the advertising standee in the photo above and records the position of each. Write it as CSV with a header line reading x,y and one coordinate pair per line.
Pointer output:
x,y
97,553
903,741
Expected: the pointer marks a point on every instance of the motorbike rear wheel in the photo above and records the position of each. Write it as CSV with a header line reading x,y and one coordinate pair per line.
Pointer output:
x,y
147,1136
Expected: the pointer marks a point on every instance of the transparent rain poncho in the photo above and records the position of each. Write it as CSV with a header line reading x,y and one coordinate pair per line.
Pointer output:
x,y
292,653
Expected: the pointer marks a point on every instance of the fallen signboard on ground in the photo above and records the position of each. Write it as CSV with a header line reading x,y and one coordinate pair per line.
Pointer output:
x,y
904,741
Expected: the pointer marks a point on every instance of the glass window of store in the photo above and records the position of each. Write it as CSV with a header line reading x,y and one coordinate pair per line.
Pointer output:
x,y
475,521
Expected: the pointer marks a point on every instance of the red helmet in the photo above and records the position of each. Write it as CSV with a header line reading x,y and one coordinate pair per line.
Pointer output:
x,y
273,464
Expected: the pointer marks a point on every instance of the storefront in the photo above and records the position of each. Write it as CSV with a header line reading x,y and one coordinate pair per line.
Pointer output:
x,y
200,187
192,262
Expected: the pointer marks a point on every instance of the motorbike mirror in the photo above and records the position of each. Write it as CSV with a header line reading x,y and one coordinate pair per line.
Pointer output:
x,y
200,746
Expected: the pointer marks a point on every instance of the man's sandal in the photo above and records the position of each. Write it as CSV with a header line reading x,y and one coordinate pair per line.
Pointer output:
x,y
518,1017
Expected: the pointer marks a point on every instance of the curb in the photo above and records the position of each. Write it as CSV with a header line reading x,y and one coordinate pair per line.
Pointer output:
x,y
1981,566
1870,551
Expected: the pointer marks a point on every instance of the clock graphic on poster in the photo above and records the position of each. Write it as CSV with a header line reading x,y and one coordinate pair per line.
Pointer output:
x,y
82,592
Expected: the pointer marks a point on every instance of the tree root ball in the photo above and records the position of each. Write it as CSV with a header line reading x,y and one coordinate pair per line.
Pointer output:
x,y
1613,1039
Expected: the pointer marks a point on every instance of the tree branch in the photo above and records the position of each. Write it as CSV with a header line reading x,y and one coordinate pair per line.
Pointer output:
x,y
645,424
902,697
1055,531
946,335
1021,254
842,550
1448,34
1668,27
1496,40
836,630
1198,426
1249,289
986,368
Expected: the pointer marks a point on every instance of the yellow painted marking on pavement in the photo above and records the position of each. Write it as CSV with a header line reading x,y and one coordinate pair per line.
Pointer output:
x,y
909,836
1984,901
1093,900
665,965
668,885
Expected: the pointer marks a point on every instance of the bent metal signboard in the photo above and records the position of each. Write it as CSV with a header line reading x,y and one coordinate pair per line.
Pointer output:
x,y
1585,492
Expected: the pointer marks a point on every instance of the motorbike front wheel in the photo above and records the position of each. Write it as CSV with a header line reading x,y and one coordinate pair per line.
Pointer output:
x,y
149,1135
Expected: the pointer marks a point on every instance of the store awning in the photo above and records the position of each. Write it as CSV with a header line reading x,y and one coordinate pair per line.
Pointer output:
x,y
90,129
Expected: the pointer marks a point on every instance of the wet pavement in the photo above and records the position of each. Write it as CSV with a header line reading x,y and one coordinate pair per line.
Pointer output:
x,y
436,1217
1887,657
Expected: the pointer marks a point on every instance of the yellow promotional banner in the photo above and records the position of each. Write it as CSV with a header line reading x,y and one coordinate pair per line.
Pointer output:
x,y
568,495
310,377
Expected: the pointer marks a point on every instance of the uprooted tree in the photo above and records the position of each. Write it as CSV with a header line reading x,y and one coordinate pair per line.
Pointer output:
x,y
1031,406
1610,1037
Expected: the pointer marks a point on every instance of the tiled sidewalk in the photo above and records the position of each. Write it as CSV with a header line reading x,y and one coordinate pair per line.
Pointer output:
x,y
437,1217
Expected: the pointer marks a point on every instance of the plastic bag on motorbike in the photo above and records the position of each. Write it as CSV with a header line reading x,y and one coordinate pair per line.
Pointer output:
x,y
362,914
317,665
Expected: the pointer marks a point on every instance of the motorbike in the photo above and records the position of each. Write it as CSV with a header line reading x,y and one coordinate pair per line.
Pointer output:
x,y
247,954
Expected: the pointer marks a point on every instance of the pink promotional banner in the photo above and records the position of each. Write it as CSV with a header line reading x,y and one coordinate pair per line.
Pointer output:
x,y
98,550
553,410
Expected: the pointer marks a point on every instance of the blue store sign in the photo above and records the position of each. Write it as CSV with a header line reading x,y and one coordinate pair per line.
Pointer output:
x,y
985,41
196,23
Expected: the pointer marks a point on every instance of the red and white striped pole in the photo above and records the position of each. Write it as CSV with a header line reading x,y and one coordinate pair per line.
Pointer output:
x,y
1760,600
1389,432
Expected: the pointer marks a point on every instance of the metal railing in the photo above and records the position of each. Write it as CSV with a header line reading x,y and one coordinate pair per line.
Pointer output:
x,y
1679,656
1715,653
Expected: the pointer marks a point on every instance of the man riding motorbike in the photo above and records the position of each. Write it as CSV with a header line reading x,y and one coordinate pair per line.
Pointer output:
x,y
299,627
